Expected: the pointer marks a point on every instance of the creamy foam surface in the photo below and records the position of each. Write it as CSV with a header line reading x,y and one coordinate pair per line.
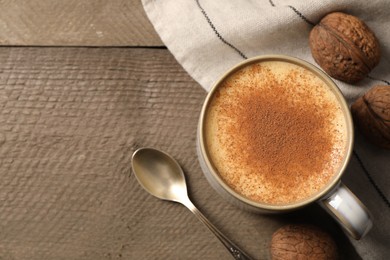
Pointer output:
x,y
275,133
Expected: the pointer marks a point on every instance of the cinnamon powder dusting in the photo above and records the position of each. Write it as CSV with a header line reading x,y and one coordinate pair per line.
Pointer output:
x,y
277,134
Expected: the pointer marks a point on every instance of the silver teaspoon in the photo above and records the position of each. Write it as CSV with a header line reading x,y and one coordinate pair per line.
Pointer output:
x,y
160,175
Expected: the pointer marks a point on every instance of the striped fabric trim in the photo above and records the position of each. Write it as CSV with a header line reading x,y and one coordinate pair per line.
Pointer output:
x,y
217,33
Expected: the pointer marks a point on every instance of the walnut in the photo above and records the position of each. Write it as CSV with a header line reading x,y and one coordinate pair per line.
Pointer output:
x,y
371,113
344,47
302,242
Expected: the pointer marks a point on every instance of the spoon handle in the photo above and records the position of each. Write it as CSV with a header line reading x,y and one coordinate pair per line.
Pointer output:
x,y
236,252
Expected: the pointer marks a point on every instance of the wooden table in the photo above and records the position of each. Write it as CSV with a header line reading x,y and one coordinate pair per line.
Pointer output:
x,y
82,85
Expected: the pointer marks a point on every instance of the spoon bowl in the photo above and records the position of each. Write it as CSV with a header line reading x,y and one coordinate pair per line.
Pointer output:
x,y
160,175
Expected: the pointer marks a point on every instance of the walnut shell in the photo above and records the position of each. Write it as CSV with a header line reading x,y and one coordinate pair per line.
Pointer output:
x,y
344,47
371,114
302,242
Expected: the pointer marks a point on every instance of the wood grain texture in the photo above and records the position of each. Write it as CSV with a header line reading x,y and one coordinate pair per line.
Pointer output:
x,y
70,119
76,23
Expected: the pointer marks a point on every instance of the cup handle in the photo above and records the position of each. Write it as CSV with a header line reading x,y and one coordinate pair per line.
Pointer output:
x,y
348,210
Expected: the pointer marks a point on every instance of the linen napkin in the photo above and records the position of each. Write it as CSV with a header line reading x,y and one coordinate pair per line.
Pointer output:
x,y
208,37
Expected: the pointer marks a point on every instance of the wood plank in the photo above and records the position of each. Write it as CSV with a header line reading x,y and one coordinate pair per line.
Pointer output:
x,y
76,23
70,119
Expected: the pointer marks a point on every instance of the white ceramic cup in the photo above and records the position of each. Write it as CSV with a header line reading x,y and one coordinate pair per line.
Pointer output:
x,y
335,198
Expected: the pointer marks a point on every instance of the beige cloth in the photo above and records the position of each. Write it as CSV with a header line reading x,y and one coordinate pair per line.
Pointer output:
x,y
208,37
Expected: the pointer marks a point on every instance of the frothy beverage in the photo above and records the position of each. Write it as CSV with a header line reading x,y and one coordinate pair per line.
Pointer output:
x,y
275,132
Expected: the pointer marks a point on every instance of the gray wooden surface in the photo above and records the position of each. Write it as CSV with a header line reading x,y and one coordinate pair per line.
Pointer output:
x,y
70,119
75,23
